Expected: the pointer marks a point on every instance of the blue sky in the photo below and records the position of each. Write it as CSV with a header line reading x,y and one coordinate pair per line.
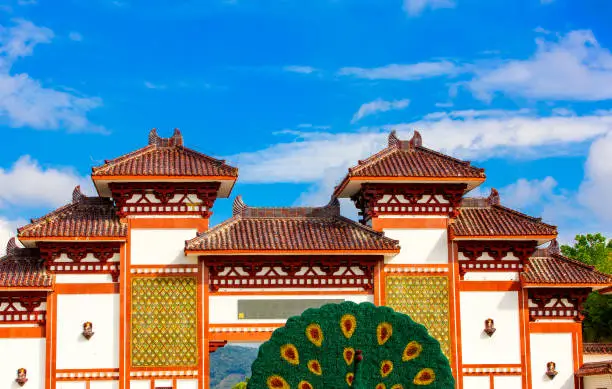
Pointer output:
x,y
293,92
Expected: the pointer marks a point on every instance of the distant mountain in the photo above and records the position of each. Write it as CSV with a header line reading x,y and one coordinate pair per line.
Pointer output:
x,y
230,365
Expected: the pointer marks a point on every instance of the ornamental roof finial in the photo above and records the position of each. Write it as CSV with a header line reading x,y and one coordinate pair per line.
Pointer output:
x,y
77,195
417,140
393,139
153,137
493,198
177,137
553,247
11,246
238,206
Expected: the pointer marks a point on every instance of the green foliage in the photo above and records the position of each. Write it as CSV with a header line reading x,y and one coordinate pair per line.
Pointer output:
x,y
230,365
240,385
334,342
594,250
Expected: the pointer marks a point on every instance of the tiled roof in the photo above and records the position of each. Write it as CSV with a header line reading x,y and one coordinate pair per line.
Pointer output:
x,y
411,160
597,348
87,217
291,229
595,368
164,157
486,217
550,267
22,267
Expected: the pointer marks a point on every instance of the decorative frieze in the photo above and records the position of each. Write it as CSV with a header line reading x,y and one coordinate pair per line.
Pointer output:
x,y
22,309
374,200
81,257
556,303
279,272
164,198
494,256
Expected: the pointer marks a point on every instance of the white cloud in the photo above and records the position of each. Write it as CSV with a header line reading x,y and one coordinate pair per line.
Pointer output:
x,y
596,190
524,193
26,184
75,36
408,72
379,105
300,69
466,134
416,7
7,231
574,67
151,85
24,101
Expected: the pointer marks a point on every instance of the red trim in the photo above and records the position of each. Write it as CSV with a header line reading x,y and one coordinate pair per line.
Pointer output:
x,y
380,224
289,252
22,332
157,178
489,286
87,288
200,224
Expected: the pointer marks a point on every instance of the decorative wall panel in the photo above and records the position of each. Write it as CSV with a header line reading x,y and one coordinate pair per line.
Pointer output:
x,y
426,300
164,321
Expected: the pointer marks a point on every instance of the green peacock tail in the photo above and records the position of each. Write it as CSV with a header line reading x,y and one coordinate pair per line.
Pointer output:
x,y
320,350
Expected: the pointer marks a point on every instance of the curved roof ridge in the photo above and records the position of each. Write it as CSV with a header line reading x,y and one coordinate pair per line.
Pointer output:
x,y
521,214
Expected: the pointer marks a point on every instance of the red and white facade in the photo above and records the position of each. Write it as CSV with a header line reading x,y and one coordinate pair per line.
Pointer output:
x,y
134,289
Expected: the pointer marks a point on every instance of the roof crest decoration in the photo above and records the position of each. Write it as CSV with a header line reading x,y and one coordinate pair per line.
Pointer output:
x,y
175,140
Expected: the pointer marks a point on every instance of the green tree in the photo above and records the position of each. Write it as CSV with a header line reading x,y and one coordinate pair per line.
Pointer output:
x,y
594,250
241,385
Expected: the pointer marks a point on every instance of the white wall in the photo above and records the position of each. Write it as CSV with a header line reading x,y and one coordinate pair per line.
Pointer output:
x,y
70,385
490,276
507,382
598,382
477,382
140,384
596,358
552,348
160,246
504,347
73,350
83,278
186,384
104,385
27,353
224,309
419,246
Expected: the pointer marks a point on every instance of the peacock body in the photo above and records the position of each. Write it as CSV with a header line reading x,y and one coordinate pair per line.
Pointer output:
x,y
351,345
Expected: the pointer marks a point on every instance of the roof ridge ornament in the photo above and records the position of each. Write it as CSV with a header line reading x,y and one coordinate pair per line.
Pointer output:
x,y
417,139
175,140
11,246
177,137
77,195
153,137
553,247
239,206
493,198
393,140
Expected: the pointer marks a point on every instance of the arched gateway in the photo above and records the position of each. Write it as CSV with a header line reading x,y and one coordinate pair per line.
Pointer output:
x,y
351,345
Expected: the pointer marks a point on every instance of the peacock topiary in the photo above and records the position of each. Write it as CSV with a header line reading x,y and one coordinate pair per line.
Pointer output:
x,y
351,345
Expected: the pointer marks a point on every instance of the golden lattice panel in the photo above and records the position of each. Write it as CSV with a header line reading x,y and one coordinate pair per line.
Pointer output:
x,y
426,300
164,322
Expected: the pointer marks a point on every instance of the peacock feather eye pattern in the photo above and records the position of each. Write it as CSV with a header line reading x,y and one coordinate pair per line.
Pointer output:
x,y
349,355
348,324
425,377
315,367
315,334
364,346
350,377
290,354
412,350
386,367
277,382
383,333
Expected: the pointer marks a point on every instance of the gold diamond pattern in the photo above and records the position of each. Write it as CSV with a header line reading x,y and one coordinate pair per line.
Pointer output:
x,y
426,300
164,321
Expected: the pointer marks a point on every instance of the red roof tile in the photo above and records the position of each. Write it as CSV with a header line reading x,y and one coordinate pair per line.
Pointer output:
x,y
290,229
164,157
595,368
22,267
597,348
86,217
409,159
486,217
551,268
